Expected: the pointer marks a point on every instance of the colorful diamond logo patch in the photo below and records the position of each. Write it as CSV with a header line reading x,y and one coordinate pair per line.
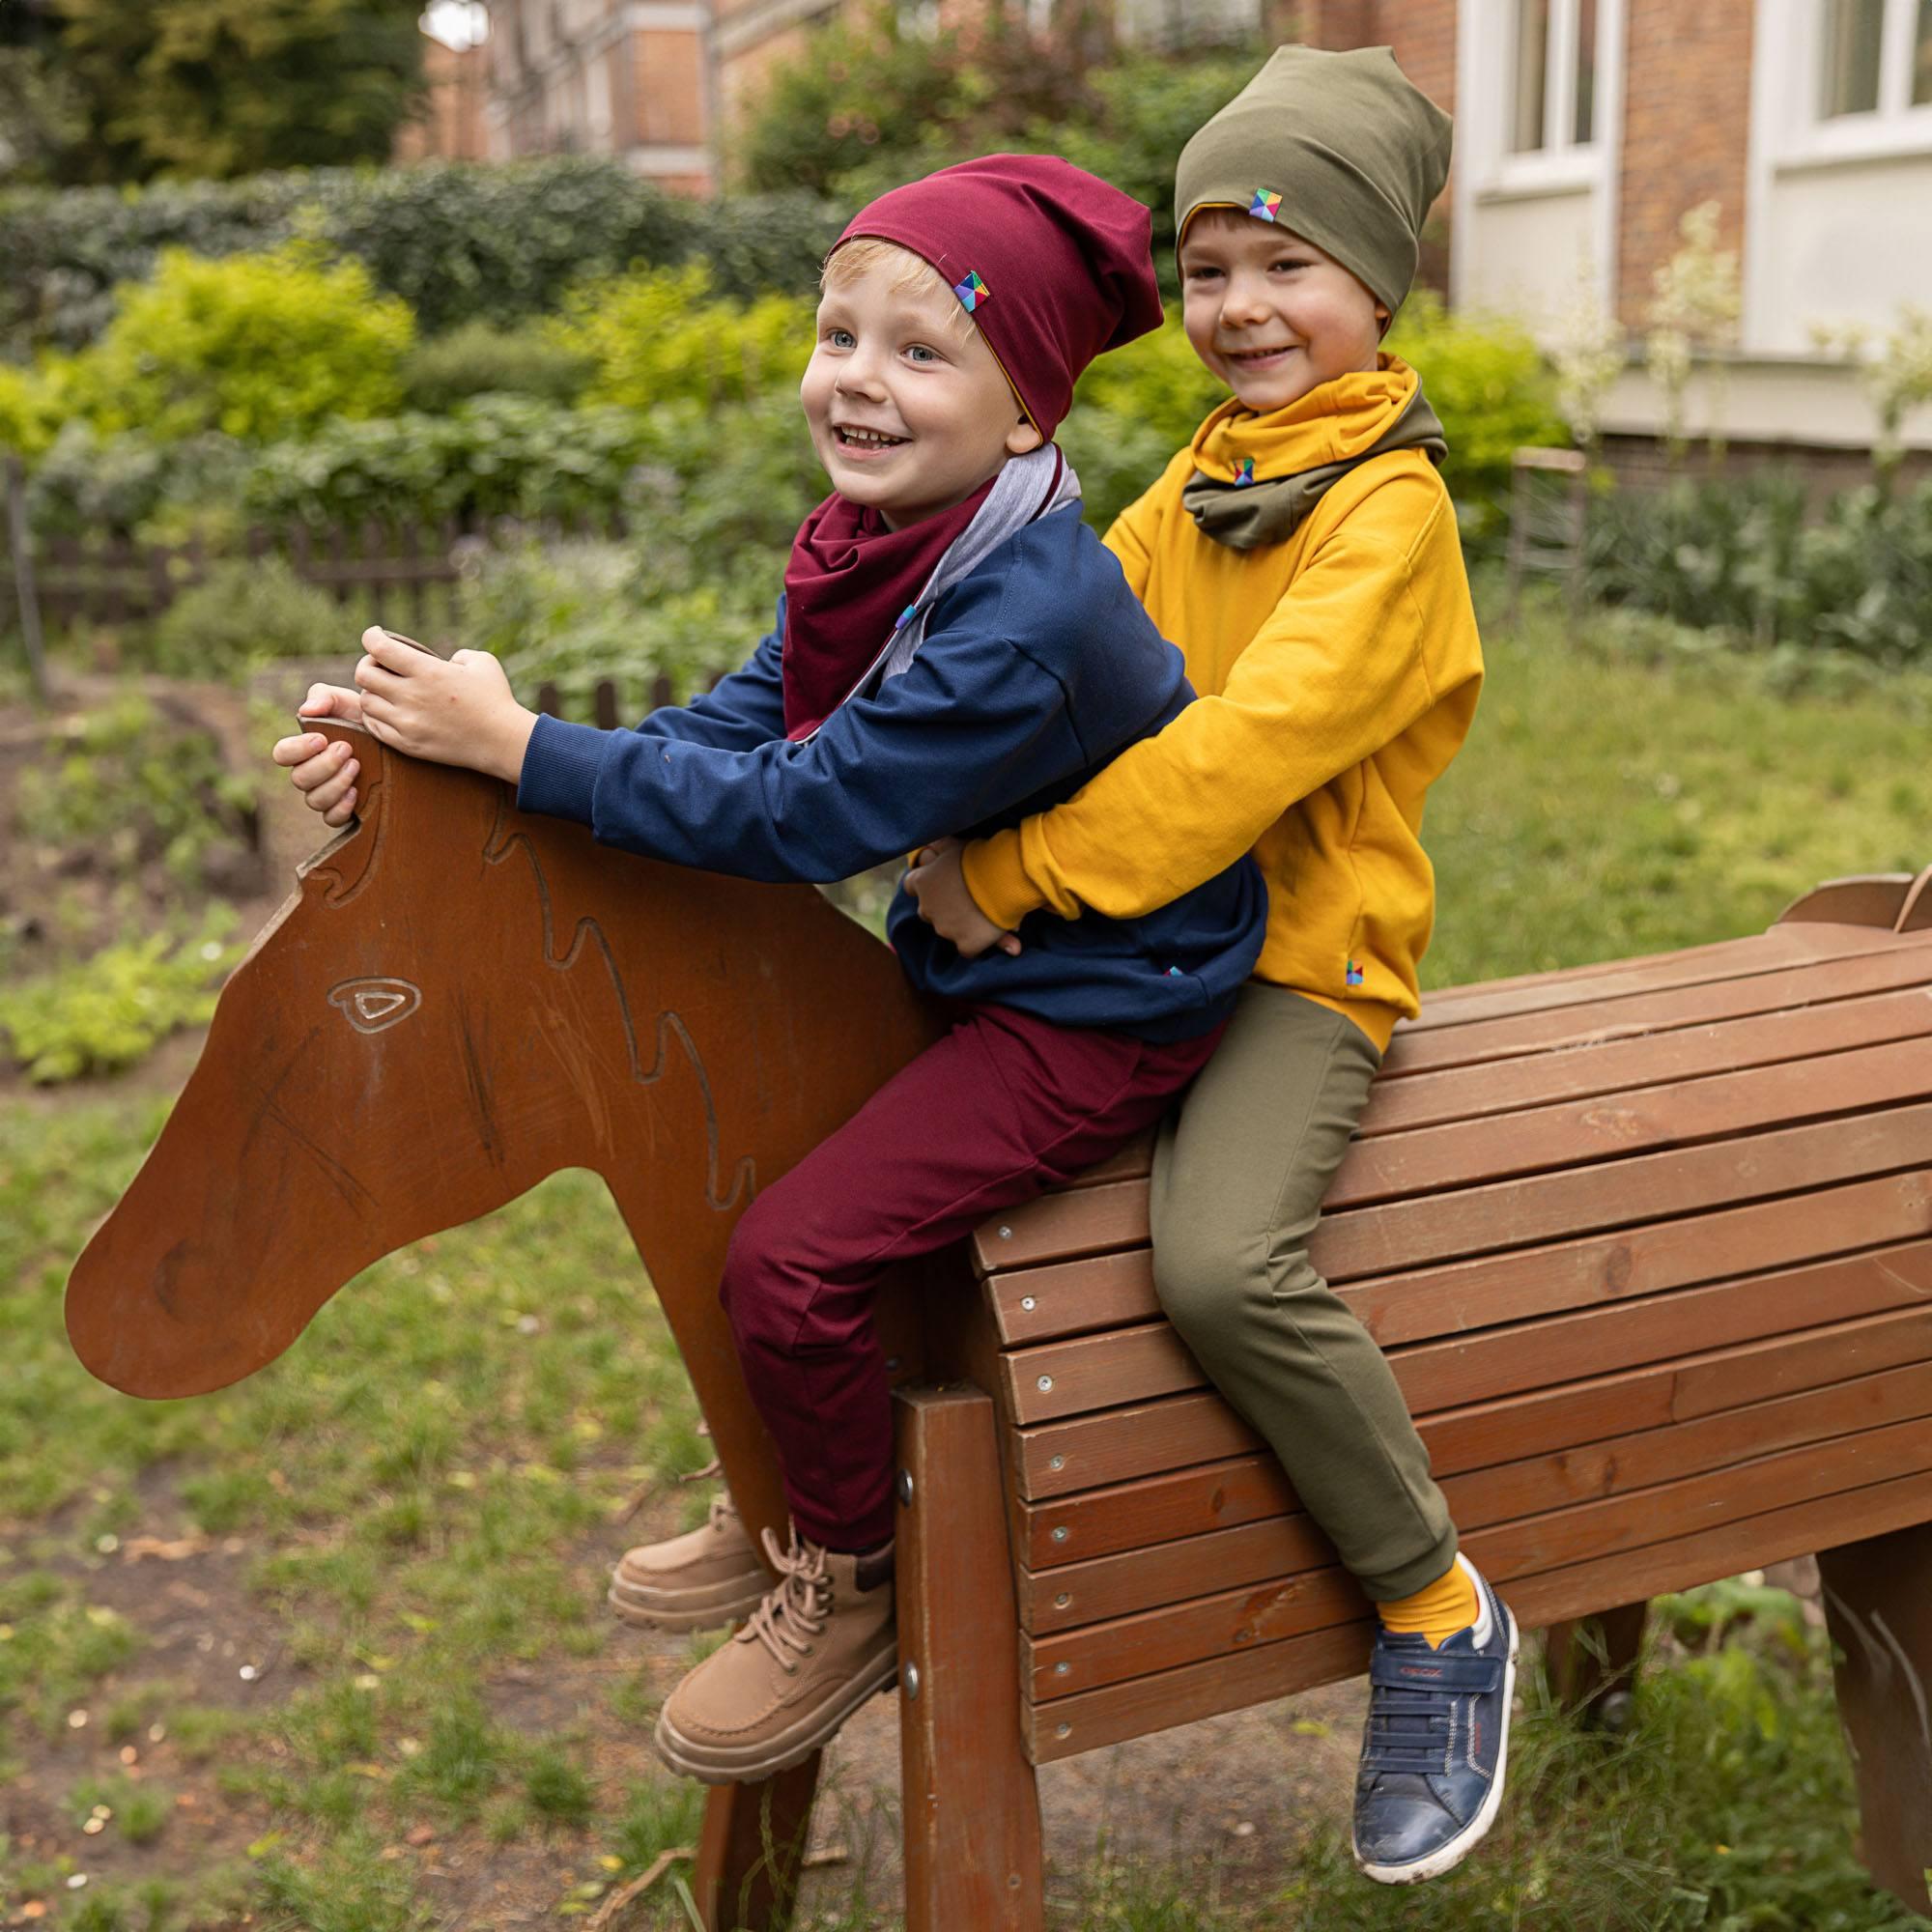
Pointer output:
x,y
1354,975
971,292
1244,471
1265,206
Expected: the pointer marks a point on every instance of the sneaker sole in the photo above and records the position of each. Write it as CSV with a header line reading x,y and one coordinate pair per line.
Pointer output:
x,y
747,1764
1448,1856
688,1610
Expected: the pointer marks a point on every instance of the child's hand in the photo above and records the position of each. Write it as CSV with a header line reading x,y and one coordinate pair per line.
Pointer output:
x,y
937,882
324,773
456,712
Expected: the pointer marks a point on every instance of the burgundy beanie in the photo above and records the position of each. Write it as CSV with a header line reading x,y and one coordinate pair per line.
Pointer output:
x,y
1053,264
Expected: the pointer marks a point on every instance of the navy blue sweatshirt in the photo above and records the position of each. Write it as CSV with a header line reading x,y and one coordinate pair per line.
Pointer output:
x,y
1036,671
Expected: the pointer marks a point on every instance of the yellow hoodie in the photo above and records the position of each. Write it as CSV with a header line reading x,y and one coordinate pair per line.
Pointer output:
x,y
1335,677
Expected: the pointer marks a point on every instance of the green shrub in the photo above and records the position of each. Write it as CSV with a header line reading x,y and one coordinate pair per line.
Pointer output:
x,y
1739,556
499,241
259,347
110,1013
1131,412
493,455
29,412
1487,381
134,791
664,336
243,610
478,358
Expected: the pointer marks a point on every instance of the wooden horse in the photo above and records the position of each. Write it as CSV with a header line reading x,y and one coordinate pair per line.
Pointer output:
x,y
456,1001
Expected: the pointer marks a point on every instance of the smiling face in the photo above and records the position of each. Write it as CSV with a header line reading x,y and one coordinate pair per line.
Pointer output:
x,y
1270,314
909,409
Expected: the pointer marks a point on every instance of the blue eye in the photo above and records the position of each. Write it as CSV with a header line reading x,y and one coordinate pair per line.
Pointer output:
x,y
919,351
839,338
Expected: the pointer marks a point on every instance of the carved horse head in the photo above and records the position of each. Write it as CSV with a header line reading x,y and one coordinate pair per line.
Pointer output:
x,y
456,1001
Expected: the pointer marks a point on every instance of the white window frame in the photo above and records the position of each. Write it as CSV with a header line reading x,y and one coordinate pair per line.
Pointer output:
x,y
1790,42
1487,171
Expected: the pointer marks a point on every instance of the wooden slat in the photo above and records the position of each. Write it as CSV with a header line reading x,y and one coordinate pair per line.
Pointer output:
x,y
1121,1444
1074,1724
1116,1290
1399,1235
1386,1236
1414,1051
1526,1493
1720,1107
1228,1620
1478,1094
1530,1282
1073,1298
1727,959
1446,1374
1130,1364
1247,1489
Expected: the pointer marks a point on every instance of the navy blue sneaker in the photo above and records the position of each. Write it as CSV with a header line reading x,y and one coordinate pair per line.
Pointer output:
x,y
1435,1746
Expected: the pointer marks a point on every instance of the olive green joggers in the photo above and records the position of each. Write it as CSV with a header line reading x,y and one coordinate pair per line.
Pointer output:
x,y
1240,1172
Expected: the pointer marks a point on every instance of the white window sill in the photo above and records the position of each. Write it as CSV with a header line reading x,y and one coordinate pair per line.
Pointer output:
x,y
1521,176
1851,138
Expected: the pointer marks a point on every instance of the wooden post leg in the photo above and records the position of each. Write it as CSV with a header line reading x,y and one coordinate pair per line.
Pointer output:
x,y
972,1811
1878,1601
752,1849
1592,1661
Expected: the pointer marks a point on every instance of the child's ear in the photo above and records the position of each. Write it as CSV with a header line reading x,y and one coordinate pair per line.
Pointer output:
x,y
1022,437
1382,320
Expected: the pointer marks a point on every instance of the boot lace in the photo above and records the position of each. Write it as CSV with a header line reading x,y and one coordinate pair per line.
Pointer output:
x,y
798,1607
722,1513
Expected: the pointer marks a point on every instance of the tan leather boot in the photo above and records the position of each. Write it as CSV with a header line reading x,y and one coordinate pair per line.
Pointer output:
x,y
706,1578
822,1642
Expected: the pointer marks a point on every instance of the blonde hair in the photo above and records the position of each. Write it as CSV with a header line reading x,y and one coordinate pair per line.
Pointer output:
x,y
910,274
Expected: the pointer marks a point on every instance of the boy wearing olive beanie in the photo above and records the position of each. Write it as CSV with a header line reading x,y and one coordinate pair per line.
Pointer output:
x,y
1303,552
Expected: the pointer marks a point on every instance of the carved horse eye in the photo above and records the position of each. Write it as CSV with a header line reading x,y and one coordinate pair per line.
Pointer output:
x,y
370,1005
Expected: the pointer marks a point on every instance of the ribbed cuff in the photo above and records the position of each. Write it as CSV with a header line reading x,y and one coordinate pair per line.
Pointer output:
x,y
997,879
560,767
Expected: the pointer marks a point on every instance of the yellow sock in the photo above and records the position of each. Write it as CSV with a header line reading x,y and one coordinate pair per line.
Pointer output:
x,y
1438,1609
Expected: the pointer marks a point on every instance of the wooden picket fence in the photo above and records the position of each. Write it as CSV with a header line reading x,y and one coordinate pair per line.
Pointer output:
x,y
91,580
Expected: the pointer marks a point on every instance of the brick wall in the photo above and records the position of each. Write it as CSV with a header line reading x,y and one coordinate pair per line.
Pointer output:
x,y
450,126
1423,35
1687,120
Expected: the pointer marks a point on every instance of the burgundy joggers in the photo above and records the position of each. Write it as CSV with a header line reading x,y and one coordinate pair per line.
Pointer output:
x,y
1002,1108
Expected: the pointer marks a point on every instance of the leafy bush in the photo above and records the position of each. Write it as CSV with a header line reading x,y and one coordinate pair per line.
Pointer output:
x,y
112,1011
1739,557
29,414
1487,381
256,346
493,455
500,243
243,610
479,359
136,790
662,336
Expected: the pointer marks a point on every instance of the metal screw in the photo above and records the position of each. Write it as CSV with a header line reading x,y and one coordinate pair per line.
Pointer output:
x,y
891,1361
905,1487
1064,1731
1059,1534
1061,1601
1045,1383
1056,1462
1006,1233
910,1677
1026,1302
1061,1669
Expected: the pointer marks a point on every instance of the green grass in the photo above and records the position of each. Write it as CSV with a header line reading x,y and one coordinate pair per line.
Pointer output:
x,y
415,1485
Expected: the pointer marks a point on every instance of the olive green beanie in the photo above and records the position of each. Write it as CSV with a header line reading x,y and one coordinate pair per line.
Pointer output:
x,y
1342,147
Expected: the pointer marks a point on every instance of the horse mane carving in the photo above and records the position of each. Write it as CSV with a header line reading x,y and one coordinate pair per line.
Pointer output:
x,y
456,1001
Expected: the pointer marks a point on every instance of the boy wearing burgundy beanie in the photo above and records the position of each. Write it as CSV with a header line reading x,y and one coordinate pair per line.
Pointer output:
x,y
953,649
